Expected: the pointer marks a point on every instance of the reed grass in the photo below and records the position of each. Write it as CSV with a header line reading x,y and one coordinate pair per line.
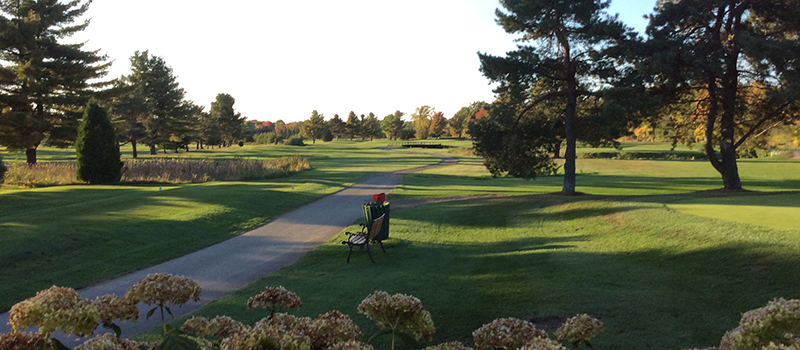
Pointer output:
x,y
162,171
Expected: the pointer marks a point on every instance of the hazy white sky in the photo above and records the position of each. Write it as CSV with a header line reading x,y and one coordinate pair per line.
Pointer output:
x,y
283,59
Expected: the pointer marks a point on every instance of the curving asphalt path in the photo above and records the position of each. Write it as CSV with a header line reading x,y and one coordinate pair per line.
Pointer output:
x,y
227,266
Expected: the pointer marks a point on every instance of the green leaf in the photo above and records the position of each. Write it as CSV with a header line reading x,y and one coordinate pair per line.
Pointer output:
x,y
41,344
57,345
177,342
169,312
113,327
150,313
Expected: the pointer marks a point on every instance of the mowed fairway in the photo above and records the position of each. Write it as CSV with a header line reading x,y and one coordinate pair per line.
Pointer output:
x,y
78,235
664,260
657,277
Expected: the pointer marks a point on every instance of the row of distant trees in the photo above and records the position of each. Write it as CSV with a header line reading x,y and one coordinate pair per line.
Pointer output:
x,y
152,109
45,84
425,123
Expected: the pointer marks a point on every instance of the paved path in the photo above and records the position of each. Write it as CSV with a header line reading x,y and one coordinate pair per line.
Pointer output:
x,y
227,266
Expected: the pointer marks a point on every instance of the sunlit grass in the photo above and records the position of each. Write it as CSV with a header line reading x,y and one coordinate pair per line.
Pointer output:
x,y
657,278
77,235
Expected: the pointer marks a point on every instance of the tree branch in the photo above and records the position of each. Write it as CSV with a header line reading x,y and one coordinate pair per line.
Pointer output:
x,y
758,124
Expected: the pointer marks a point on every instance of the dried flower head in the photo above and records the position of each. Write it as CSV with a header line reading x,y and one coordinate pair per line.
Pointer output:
x,y
773,346
506,333
21,341
579,329
162,288
56,309
453,345
351,345
332,328
220,326
543,344
272,298
778,322
108,341
400,310
266,335
113,308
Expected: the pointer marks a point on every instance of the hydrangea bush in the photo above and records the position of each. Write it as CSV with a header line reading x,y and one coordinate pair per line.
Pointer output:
x,y
775,326
400,313
274,298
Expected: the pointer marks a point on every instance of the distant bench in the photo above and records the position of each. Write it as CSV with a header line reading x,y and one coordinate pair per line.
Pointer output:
x,y
423,145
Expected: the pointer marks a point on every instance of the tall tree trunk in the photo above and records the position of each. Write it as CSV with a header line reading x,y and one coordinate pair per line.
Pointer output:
x,y
30,155
133,144
153,150
557,149
570,154
569,118
727,147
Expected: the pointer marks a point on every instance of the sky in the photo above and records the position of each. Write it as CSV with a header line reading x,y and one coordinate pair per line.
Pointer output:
x,y
283,59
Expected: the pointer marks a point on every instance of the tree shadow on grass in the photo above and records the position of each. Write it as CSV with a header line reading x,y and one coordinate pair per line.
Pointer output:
x,y
647,299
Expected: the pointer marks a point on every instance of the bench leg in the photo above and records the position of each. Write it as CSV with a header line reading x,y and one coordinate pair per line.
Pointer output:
x,y
370,254
351,253
381,243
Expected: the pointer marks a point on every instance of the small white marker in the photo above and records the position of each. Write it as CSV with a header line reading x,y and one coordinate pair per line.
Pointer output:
x,y
159,188
292,186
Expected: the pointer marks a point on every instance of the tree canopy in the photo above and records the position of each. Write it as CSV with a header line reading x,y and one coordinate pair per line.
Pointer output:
x,y
564,58
45,83
733,64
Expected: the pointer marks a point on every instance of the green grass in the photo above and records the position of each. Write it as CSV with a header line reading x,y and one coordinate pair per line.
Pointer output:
x,y
78,235
657,278
660,259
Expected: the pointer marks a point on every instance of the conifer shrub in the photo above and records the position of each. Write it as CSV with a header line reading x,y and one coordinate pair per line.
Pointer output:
x,y
97,148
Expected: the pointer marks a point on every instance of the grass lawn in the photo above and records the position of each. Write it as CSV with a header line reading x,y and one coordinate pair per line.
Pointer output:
x,y
661,260
656,277
78,235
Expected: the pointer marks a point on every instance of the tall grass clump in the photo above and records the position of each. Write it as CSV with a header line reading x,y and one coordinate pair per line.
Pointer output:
x,y
163,170
194,171
41,174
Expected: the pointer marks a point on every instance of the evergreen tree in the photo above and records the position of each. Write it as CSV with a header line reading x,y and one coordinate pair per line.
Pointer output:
x,y
168,117
337,126
314,127
230,122
128,113
45,82
353,125
97,147
392,125
371,127
563,57
735,61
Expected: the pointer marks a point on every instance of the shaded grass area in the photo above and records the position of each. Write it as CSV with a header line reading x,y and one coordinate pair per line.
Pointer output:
x,y
78,235
656,278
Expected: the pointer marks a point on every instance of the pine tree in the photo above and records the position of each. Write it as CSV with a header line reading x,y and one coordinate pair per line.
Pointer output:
x,y
337,126
314,127
97,148
46,82
563,58
392,125
230,122
353,125
735,61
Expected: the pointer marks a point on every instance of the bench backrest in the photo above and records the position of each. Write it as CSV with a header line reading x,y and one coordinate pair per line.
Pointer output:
x,y
376,227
